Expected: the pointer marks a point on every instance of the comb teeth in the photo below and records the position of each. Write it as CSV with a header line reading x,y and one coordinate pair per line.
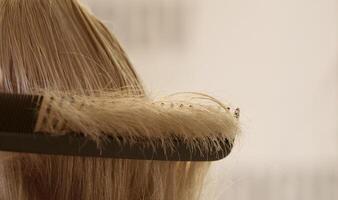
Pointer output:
x,y
18,112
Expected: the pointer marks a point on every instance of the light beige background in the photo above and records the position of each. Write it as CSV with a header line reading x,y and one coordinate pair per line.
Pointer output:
x,y
276,59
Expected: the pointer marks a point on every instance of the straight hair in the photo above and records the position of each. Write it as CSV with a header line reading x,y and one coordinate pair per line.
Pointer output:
x,y
59,45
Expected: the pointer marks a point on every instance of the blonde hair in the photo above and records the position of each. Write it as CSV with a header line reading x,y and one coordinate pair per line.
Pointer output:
x,y
58,48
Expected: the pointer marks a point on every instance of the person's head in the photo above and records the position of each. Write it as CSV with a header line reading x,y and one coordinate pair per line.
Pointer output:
x,y
59,45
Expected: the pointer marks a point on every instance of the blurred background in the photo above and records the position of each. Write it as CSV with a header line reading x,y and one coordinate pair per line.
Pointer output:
x,y
275,59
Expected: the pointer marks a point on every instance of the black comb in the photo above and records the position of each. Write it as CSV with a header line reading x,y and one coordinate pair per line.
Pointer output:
x,y
18,116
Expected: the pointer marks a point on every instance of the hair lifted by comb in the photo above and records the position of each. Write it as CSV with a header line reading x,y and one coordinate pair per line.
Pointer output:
x,y
60,48
198,119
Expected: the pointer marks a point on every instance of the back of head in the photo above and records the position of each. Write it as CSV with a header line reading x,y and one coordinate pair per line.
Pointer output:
x,y
59,45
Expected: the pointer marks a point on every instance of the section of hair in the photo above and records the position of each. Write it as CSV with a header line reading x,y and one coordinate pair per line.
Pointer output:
x,y
82,178
196,118
57,45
